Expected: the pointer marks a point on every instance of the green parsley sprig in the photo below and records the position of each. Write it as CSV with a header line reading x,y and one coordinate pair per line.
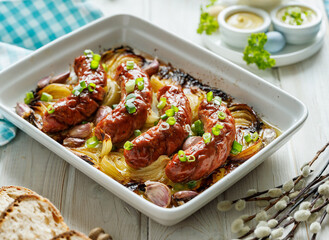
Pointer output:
x,y
208,23
255,52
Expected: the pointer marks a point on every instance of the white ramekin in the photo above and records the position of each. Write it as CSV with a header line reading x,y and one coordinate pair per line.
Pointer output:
x,y
236,37
297,34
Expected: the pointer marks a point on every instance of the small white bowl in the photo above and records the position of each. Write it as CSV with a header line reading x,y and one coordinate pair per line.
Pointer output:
x,y
236,37
300,34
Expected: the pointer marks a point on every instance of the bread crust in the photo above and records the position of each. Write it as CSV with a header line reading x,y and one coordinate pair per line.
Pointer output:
x,y
67,235
30,197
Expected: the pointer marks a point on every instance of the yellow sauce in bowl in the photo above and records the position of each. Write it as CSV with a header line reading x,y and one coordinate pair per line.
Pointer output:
x,y
245,20
296,15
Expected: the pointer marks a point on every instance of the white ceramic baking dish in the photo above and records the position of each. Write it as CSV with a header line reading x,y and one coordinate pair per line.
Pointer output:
x,y
274,105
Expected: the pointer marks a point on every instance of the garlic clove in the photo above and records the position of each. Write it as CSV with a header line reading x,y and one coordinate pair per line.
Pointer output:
x,y
80,131
158,193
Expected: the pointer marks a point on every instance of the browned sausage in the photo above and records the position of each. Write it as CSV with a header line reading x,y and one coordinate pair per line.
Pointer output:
x,y
119,124
208,156
158,141
72,110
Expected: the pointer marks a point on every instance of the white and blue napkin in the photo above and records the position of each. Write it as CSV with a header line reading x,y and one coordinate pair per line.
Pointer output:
x,y
26,25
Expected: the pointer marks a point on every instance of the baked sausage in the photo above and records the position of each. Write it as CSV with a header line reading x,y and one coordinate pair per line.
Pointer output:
x,y
208,156
163,139
119,124
72,110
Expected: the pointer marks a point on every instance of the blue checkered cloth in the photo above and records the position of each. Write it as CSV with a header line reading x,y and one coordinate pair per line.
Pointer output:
x,y
26,25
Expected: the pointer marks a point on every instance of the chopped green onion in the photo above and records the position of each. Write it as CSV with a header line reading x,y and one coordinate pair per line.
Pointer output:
x,y
221,115
255,136
171,121
91,87
84,122
92,142
210,96
130,96
88,53
163,117
29,97
236,148
170,112
217,100
191,184
77,90
50,109
137,133
97,57
161,104
140,83
182,156
83,84
130,106
46,97
197,127
105,67
219,126
94,64
206,137
130,65
128,145
130,86
174,108
215,131
114,105
156,123
191,158
247,138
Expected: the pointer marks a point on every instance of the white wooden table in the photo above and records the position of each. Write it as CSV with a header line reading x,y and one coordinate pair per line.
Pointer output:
x,y
85,204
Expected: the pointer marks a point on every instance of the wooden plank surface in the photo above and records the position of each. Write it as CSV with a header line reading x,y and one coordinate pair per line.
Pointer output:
x,y
85,204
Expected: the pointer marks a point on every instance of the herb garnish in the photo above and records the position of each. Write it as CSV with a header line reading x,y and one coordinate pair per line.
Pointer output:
x,y
255,52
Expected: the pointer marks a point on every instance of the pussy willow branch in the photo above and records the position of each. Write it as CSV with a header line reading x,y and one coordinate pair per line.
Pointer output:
x,y
295,202
324,214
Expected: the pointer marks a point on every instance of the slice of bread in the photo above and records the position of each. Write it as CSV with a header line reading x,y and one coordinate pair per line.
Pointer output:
x,y
10,193
31,217
71,235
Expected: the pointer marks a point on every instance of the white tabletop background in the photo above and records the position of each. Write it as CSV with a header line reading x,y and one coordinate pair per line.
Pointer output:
x,y
85,204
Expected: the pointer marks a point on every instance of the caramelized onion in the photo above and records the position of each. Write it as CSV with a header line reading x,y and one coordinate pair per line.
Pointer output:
x,y
245,116
247,153
23,110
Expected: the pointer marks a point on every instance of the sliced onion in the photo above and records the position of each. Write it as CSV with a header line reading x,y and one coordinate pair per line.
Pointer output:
x,y
164,126
23,110
247,153
187,128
